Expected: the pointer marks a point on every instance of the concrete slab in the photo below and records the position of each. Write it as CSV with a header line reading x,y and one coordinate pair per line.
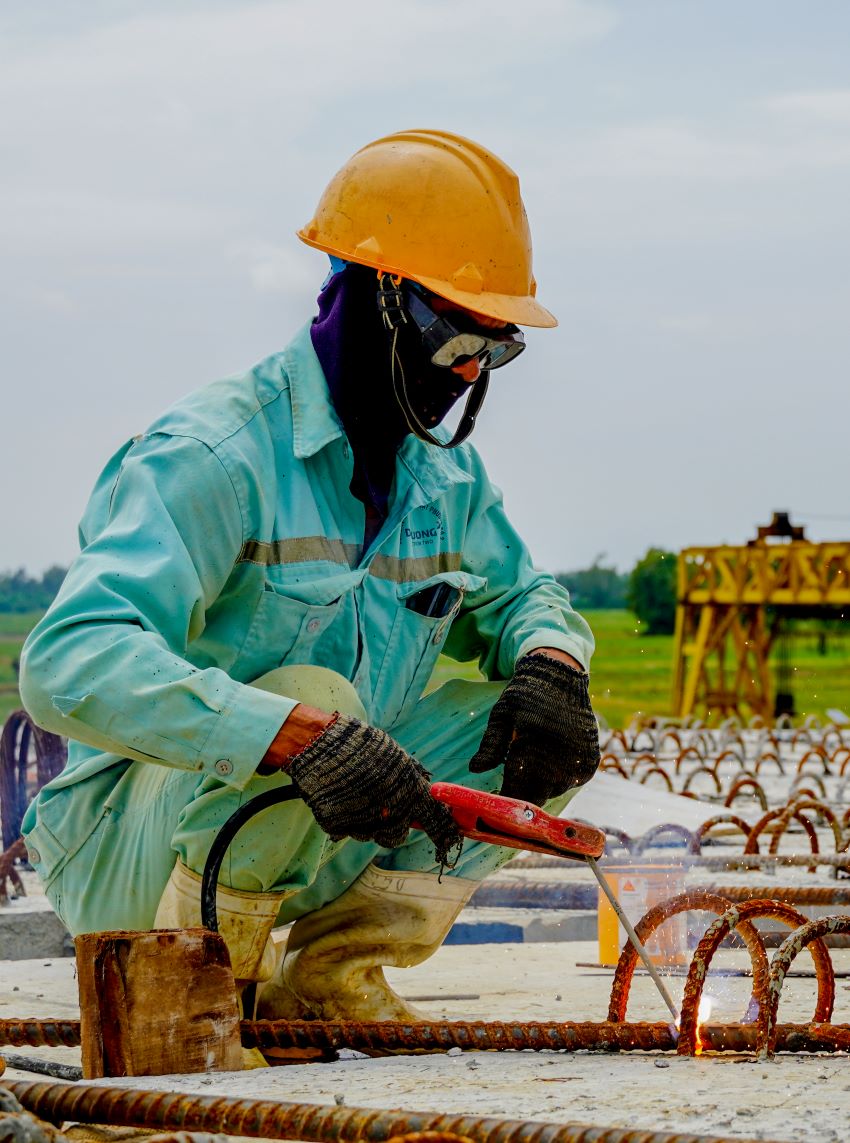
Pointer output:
x,y
801,1098
608,800
29,927
504,925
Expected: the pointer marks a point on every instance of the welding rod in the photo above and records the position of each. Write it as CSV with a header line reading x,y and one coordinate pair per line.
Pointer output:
x,y
633,937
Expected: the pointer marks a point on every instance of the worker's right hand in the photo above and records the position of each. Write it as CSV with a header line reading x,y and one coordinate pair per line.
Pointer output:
x,y
360,783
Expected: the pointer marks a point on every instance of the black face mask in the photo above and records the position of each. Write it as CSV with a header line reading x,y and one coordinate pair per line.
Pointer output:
x,y
353,348
416,380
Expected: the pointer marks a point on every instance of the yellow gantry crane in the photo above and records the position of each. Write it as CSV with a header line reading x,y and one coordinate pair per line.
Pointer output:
x,y
731,603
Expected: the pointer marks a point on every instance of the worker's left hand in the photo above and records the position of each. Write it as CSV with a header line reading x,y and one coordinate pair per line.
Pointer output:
x,y
543,730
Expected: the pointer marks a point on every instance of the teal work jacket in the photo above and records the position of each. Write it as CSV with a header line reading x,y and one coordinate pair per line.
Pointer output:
x,y
224,542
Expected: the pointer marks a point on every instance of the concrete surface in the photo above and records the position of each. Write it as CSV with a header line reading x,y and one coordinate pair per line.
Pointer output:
x,y
29,927
520,964
611,801
795,1098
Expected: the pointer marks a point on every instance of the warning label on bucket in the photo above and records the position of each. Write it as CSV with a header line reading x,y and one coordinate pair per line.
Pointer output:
x,y
638,889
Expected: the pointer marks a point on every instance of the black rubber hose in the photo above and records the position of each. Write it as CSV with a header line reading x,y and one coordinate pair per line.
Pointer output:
x,y
209,881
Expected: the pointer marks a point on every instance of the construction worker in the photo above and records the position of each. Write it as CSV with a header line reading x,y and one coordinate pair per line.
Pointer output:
x,y
308,528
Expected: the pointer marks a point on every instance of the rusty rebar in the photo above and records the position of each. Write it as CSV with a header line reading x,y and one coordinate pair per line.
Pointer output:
x,y
472,1036
807,935
468,1035
657,770
754,860
18,733
302,1121
768,756
686,785
807,804
612,762
684,754
816,752
722,819
40,1033
712,860
17,851
430,1137
751,845
689,1035
746,782
650,838
800,788
685,902
789,894
477,1035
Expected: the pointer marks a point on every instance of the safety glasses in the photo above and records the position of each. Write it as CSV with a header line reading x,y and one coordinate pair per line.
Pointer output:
x,y
455,342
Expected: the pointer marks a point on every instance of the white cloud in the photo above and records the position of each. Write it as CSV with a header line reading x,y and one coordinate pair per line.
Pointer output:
x,y
829,108
63,222
174,127
684,151
57,302
290,269
690,233
284,61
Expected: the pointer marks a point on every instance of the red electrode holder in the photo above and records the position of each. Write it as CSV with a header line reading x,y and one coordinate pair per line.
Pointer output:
x,y
517,824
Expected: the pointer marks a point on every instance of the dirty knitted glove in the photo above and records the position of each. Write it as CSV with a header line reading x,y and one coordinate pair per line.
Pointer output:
x,y
359,783
543,729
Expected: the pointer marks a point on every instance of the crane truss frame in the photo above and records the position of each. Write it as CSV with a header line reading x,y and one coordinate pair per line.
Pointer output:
x,y
723,636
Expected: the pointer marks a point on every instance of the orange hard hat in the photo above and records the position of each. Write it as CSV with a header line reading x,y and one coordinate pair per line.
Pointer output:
x,y
437,209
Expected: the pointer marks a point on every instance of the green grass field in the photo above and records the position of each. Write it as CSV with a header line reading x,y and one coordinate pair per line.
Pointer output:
x,y
13,630
631,672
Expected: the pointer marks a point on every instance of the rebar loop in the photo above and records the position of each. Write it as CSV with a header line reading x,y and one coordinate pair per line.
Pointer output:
x,y
689,1032
807,935
684,903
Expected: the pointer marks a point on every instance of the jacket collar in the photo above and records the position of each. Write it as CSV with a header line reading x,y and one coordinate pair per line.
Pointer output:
x,y
314,420
315,424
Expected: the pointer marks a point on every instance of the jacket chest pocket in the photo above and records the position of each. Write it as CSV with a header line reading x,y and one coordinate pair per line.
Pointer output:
x,y
421,623
295,621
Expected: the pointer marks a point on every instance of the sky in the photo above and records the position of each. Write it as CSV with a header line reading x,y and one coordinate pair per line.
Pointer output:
x,y
685,166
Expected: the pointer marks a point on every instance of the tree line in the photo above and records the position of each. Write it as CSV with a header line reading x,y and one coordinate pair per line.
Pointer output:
x,y
22,592
649,589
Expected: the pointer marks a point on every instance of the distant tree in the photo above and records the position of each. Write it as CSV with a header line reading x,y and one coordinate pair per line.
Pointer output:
x,y
596,587
652,591
22,592
51,581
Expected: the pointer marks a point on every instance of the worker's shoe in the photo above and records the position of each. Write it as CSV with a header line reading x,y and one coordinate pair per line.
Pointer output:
x,y
332,965
245,921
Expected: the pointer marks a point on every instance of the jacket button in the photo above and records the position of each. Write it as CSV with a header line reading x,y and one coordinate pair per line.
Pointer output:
x,y
224,767
314,625
33,856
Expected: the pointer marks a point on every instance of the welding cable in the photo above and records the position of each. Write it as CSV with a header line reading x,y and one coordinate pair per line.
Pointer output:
x,y
221,844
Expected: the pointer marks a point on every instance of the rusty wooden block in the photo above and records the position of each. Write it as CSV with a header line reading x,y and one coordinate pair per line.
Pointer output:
x,y
157,1003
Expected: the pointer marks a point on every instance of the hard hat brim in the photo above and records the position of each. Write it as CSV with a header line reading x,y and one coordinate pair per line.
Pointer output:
x,y
520,310
503,307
